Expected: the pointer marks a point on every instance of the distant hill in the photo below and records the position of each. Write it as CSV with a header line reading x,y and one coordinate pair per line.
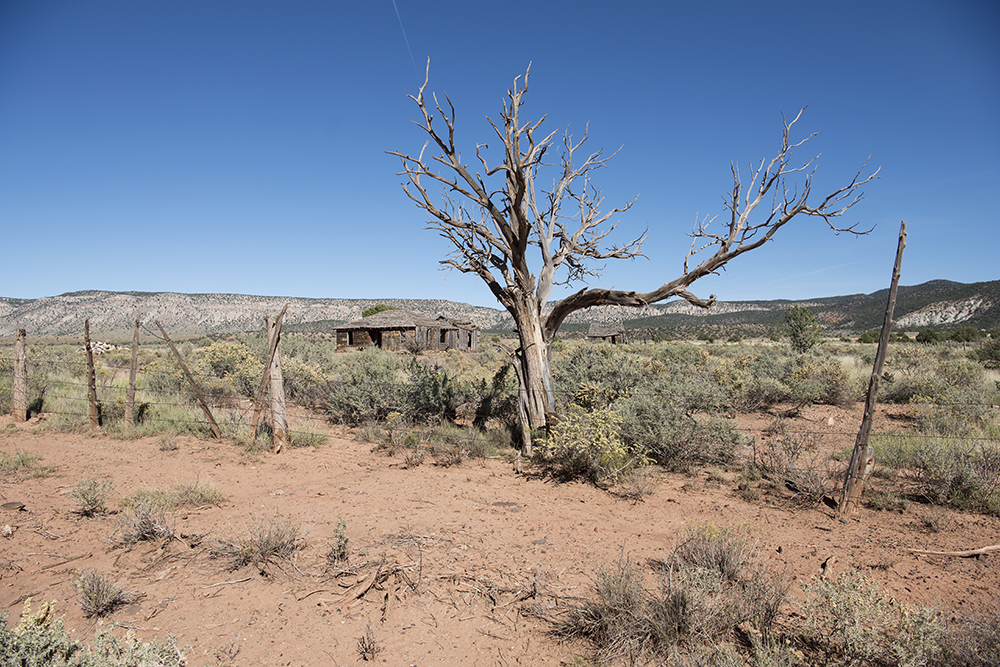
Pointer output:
x,y
939,303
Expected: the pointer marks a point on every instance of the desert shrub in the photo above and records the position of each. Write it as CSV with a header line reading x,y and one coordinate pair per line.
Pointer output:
x,y
41,639
819,379
849,620
265,542
303,381
164,377
100,595
989,354
950,395
496,399
754,380
666,433
589,445
227,367
37,383
368,386
964,474
795,459
92,495
692,615
433,393
604,372
971,640
195,494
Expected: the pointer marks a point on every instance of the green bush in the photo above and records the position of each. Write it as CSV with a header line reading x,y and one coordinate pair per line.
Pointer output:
x,y
802,329
989,354
368,386
818,379
589,445
41,639
964,474
377,308
754,380
851,621
433,393
670,435
870,337
597,374
228,367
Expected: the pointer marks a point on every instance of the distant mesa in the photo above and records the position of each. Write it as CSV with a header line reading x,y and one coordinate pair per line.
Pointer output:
x,y
938,303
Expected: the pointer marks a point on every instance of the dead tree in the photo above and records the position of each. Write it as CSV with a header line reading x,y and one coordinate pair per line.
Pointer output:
x,y
498,215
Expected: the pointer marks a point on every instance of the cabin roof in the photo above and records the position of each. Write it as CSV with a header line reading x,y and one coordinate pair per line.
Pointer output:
x,y
605,329
396,319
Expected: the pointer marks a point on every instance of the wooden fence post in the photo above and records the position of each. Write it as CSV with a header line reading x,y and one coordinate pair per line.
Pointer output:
x,y
279,420
258,404
863,458
19,389
95,417
133,370
194,385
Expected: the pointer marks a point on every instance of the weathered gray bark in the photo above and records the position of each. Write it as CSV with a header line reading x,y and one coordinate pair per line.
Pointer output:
x,y
19,388
863,456
133,371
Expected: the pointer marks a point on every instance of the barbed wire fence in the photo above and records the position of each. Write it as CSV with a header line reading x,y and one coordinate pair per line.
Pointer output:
x,y
62,392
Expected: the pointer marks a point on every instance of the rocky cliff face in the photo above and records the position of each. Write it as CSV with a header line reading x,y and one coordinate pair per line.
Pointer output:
x,y
932,304
946,312
113,313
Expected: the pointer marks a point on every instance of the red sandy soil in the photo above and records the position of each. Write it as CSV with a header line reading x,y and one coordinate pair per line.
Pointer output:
x,y
448,562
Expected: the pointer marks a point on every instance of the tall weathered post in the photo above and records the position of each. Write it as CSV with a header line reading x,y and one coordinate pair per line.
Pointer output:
x,y
863,458
279,421
19,389
133,371
272,347
95,418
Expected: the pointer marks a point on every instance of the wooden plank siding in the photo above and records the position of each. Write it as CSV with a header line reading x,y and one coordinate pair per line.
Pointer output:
x,y
403,330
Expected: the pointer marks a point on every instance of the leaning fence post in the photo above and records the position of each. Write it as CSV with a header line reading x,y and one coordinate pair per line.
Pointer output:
x,y
863,458
258,403
19,389
194,385
133,370
95,417
279,422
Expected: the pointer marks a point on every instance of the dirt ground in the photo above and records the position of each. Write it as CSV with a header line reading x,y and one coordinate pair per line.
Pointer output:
x,y
446,563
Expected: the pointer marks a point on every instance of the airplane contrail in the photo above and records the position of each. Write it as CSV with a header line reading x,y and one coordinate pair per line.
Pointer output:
x,y
405,39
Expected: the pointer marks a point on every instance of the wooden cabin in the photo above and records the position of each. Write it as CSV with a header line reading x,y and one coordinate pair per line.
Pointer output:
x,y
405,330
612,332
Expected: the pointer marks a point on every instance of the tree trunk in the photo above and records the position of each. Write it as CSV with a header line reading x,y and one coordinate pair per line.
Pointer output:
x,y
535,371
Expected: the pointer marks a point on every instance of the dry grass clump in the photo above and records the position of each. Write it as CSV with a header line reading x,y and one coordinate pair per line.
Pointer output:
x,y
23,464
100,594
796,460
144,521
92,495
715,581
339,550
265,542
182,495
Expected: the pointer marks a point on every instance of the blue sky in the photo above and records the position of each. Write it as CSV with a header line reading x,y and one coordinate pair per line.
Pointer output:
x,y
194,146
